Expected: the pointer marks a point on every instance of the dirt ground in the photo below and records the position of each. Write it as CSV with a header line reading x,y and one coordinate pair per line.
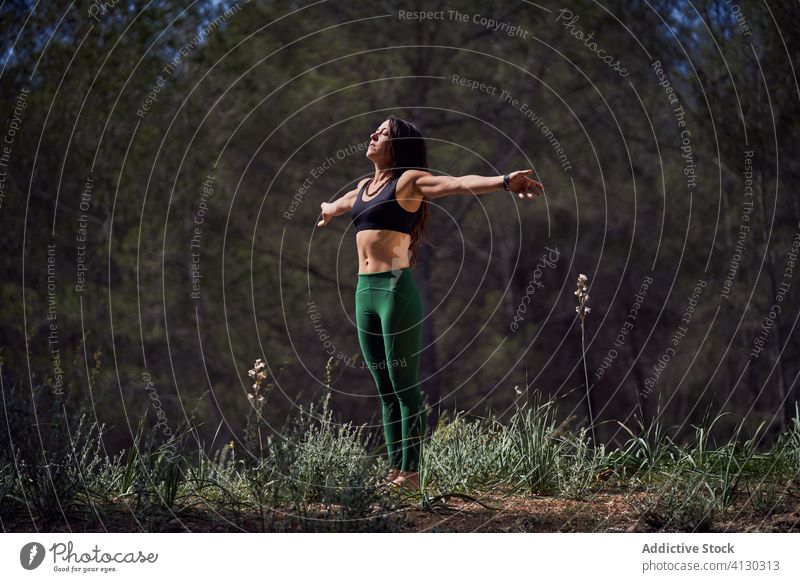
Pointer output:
x,y
607,512
611,511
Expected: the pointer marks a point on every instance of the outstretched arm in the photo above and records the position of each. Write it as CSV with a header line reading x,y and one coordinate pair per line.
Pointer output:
x,y
431,186
340,206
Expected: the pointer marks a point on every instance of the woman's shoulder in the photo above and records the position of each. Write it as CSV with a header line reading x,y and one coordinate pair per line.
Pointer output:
x,y
409,176
361,184
404,189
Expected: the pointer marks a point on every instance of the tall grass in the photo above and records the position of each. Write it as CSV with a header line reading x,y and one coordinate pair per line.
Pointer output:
x,y
47,456
530,454
318,474
693,487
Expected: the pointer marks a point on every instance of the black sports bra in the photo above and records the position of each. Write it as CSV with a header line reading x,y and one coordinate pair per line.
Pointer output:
x,y
383,212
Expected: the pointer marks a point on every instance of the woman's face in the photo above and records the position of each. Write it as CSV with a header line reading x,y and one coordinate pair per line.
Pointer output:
x,y
378,149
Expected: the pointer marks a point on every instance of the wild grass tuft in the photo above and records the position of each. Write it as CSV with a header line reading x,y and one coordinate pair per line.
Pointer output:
x,y
318,474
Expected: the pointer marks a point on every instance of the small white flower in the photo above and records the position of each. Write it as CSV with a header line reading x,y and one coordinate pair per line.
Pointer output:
x,y
517,390
252,373
249,396
261,399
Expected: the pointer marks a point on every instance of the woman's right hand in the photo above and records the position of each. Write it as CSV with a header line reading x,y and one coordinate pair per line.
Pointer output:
x,y
327,213
520,184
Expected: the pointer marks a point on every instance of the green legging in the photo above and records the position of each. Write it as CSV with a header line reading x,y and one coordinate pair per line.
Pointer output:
x,y
389,318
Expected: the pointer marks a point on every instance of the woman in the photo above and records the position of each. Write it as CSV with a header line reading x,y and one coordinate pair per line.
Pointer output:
x,y
389,215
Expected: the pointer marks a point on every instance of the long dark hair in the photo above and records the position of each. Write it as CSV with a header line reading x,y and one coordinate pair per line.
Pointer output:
x,y
409,153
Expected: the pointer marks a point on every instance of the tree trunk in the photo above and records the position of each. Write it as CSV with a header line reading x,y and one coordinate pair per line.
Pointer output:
x,y
774,345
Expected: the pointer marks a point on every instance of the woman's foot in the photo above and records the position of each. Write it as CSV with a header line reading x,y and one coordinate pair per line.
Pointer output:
x,y
390,477
407,480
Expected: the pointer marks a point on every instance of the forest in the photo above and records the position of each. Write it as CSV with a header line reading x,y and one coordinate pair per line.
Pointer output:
x,y
163,165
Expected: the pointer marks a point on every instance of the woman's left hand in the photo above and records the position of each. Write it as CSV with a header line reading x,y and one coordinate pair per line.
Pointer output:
x,y
524,187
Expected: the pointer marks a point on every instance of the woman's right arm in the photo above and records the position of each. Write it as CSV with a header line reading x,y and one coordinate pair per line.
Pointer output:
x,y
341,206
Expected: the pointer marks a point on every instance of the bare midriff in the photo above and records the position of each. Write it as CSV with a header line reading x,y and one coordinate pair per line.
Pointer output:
x,y
382,250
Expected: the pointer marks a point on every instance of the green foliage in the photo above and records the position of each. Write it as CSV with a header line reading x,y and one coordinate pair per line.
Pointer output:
x,y
529,454
261,110
49,457
680,503
533,447
768,498
318,474
464,456
578,464
264,101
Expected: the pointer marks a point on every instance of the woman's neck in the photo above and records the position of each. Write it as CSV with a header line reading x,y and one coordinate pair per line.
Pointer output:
x,y
381,174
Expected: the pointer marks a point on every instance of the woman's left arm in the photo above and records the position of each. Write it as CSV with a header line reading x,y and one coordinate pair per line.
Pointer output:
x,y
431,186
